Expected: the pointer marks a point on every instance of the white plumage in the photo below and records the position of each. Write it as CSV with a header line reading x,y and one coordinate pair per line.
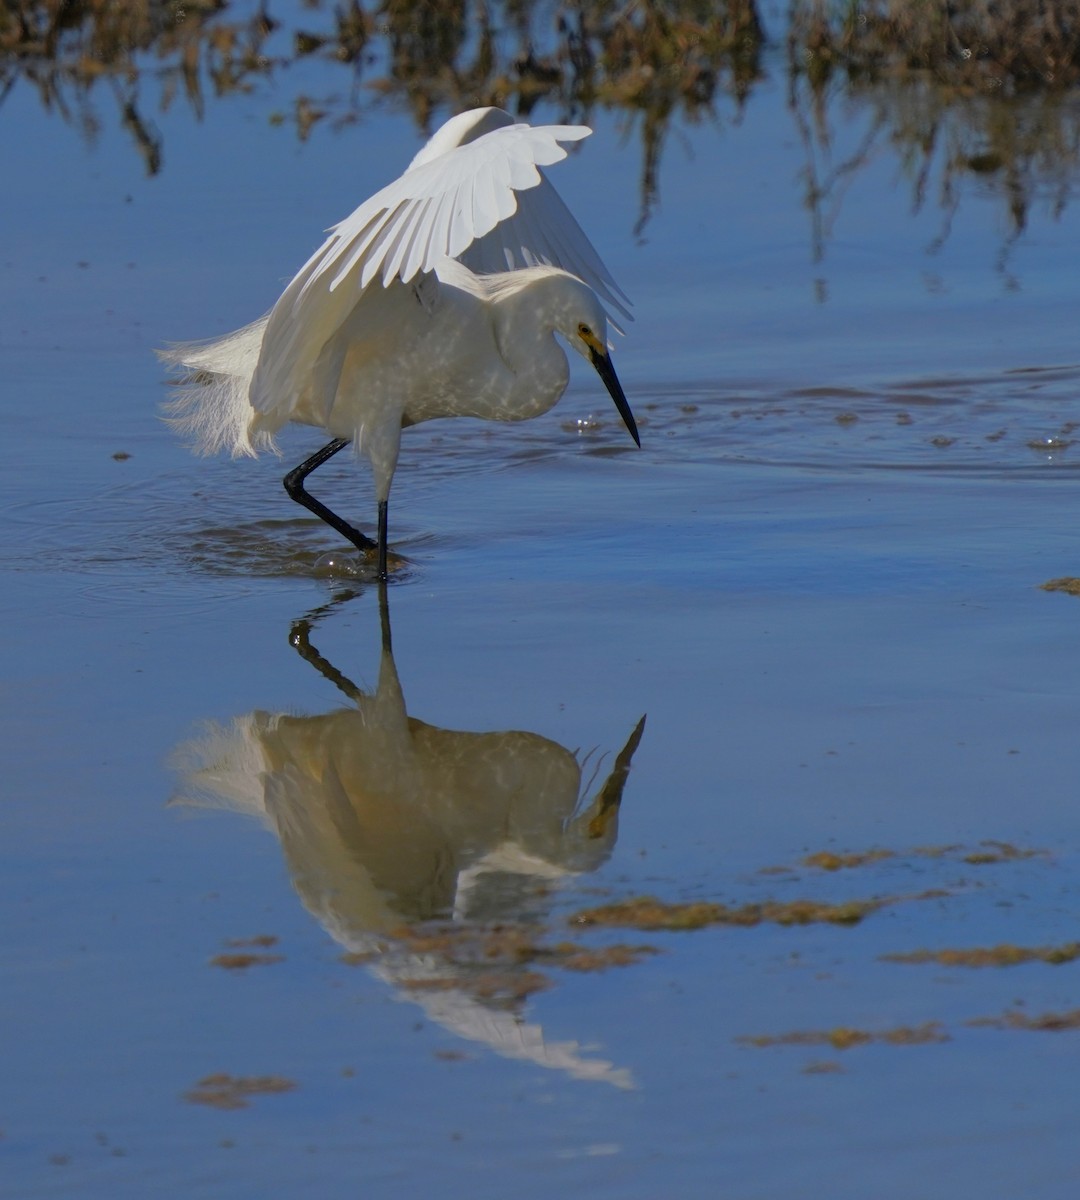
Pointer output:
x,y
439,296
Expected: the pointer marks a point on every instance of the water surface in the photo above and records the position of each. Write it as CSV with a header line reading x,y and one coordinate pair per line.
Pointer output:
x,y
818,580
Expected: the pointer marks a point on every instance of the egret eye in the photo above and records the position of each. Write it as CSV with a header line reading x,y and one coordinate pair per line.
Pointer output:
x,y
584,331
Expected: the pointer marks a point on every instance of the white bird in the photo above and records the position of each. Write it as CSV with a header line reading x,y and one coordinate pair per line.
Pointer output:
x,y
438,297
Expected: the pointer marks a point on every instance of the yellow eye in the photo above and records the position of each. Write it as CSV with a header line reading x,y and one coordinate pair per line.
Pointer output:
x,y
584,331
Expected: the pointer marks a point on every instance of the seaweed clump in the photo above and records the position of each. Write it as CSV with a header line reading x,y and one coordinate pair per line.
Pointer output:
x,y
649,913
1004,955
844,1038
235,1091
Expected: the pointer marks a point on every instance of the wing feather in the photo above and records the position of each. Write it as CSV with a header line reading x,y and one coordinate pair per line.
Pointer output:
x,y
485,201
557,228
497,165
438,235
380,244
402,256
314,265
522,240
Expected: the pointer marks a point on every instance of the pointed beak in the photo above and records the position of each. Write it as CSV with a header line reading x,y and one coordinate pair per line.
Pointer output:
x,y
606,371
605,808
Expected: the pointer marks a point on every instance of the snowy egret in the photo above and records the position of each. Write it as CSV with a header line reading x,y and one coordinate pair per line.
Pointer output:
x,y
438,297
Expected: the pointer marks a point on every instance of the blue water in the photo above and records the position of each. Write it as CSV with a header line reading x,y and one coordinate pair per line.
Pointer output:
x,y
818,579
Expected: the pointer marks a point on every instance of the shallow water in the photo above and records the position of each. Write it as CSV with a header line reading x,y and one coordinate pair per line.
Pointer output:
x,y
818,581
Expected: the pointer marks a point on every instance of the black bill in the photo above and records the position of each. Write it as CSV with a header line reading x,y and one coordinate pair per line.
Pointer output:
x,y
606,371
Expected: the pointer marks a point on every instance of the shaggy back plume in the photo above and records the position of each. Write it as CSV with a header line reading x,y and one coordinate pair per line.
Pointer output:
x,y
211,410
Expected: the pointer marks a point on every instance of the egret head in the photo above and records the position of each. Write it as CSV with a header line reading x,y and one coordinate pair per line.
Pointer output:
x,y
585,328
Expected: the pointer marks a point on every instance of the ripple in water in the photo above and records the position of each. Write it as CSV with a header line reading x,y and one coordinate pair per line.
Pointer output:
x,y
229,519
1010,423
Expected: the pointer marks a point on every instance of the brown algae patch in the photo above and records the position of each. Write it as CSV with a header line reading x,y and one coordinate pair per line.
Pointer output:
x,y
826,860
247,952
241,962
844,1038
580,958
510,946
1069,584
1050,1022
502,964
987,851
998,852
235,1091
500,988
647,912
1005,955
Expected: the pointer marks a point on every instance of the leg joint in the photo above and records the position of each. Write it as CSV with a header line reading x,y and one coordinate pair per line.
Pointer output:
x,y
294,481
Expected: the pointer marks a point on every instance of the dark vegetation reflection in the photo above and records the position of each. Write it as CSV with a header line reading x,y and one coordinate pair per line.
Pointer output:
x,y
433,856
966,97
962,95
650,61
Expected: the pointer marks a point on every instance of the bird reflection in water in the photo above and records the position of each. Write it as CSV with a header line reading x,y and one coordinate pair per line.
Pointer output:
x,y
387,823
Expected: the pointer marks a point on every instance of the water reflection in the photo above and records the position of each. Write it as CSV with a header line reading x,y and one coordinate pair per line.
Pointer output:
x,y
432,855
949,144
652,62
952,94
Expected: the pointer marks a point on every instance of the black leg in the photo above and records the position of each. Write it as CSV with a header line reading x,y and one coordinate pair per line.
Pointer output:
x,y
384,618
294,485
383,506
300,640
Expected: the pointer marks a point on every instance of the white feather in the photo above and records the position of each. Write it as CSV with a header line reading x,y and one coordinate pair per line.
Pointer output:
x,y
347,322
211,410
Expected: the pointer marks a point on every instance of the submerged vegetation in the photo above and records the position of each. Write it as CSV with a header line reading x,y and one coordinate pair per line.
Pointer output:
x,y
961,94
231,1091
844,1038
1048,1022
649,913
1004,955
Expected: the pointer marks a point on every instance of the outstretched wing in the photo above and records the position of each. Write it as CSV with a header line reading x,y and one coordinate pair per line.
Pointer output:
x,y
485,202
441,207
541,229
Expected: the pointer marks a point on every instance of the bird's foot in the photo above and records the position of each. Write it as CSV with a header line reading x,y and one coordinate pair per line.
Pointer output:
x,y
394,562
354,563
